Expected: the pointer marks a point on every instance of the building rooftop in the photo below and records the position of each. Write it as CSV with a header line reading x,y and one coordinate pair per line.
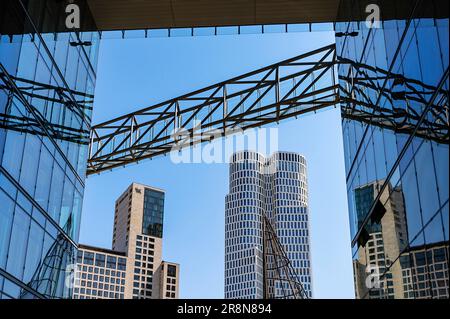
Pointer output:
x,y
102,250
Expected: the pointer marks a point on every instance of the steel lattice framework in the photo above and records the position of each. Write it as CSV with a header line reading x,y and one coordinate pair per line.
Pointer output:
x,y
401,102
281,280
45,109
286,89
290,88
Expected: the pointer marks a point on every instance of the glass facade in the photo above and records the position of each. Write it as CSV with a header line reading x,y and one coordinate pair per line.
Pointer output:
x,y
46,95
152,222
397,179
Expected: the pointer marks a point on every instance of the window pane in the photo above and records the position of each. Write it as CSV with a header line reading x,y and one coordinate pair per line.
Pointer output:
x,y
18,244
29,163
111,262
44,178
34,251
66,207
12,159
54,208
100,260
6,217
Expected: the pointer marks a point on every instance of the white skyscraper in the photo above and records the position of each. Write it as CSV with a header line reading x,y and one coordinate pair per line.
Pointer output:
x,y
277,187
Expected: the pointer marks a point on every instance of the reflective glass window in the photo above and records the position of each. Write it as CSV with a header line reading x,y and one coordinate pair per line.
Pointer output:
x,y
18,243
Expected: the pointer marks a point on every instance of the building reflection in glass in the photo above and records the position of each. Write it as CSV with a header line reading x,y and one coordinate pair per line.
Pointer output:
x,y
47,79
386,266
397,180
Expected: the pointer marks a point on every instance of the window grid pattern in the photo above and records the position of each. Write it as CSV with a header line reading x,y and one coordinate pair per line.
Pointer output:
x,y
170,285
408,176
43,176
144,268
277,187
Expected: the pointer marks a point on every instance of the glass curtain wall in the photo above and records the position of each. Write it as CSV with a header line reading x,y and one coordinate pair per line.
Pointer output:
x,y
397,174
46,96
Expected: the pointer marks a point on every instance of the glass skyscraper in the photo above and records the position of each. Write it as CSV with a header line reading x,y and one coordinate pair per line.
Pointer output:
x,y
46,95
275,187
397,173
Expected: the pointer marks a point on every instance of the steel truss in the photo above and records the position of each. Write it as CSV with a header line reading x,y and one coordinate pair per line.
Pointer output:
x,y
401,105
290,88
281,280
286,89
61,113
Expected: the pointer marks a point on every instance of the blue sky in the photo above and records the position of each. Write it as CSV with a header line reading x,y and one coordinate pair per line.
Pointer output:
x,y
135,73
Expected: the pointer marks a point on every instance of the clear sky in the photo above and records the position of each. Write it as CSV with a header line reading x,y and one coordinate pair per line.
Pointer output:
x,y
134,73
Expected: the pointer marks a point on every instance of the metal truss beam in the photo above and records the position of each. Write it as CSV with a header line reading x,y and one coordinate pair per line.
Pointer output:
x,y
281,280
402,102
290,88
45,109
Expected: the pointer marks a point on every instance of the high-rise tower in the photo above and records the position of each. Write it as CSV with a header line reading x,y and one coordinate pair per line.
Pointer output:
x,y
134,268
265,190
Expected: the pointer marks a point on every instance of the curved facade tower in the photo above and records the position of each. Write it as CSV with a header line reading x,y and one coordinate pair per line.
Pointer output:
x,y
276,188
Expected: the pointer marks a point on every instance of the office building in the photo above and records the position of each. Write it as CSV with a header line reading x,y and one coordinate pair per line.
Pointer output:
x,y
425,271
134,268
48,79
275,187
169,274
386,240
397,178
138,231
100,273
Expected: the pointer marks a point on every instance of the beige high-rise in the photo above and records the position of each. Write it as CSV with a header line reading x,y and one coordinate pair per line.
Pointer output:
x,y
138,231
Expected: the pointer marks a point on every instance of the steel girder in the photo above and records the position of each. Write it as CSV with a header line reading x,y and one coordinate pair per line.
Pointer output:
x,y
401,102
45,109
286,89
290,88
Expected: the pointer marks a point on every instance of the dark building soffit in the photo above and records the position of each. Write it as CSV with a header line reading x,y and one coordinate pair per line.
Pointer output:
x,y
154,14
145,14
110,15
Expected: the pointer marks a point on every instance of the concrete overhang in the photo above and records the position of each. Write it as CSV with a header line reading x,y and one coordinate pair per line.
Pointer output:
x,y
109,15
148,14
